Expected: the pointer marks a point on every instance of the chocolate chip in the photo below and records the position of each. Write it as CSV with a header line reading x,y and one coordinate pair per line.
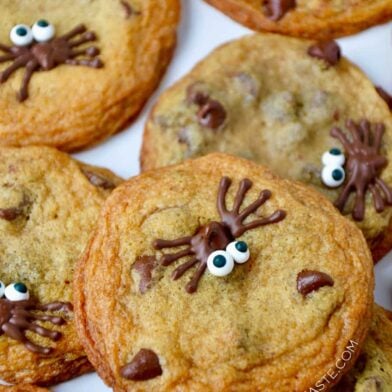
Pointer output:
x,y
308,281
360,364
98,180
144,265
10,214
195,96
128,9
276,9
328,51
211,115
144,366
385,96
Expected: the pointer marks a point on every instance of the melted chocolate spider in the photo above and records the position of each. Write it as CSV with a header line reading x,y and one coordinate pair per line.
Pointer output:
x,y
363,167
36,49
214,245
17,316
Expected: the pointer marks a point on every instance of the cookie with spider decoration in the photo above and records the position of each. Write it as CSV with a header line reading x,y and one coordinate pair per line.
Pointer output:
x,y
48,205
318,19
280,114
216,272
71,76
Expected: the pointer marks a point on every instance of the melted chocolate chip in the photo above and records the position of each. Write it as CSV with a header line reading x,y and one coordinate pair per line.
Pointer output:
x,y
129,11
144,366
308,281
10,214
211,115
98,180
195,96
385,96
277,9
144,265
328,51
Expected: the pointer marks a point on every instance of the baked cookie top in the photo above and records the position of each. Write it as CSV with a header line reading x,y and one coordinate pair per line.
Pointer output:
x,y
373,369
48,205
217,275
276,101
74,73
316,19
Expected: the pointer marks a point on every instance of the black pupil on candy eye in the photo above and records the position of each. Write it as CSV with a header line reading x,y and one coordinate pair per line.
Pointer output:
x,y
241,246
42,23
335,151
337,175
219,261
21,31
20,287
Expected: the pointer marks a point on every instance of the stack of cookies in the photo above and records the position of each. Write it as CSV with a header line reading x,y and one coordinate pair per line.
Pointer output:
x,y
242,257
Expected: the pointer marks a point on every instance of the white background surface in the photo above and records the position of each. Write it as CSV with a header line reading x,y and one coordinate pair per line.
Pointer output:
x,y
202,29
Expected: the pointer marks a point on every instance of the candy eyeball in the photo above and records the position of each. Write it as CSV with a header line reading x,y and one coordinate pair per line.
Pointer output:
x,y
2,288
220,263
43,31
239,251
16,292
333,176
333,157
21,35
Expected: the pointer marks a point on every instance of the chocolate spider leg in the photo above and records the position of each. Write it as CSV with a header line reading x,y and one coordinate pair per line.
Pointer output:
x,y
275,217
359,205
378,201
243,188
224,185
365,127
44,332
79,29
191,286
5,48
356,132
30,69
18,63
263,197
180,270
342,198
91,51
337,133
170,258
35,348
52,319
56,306
386,190
378,134
88,36
161,244
7,57
94,63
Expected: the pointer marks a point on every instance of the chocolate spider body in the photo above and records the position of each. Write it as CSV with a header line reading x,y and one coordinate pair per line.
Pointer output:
x,y
44,56
18,317
217,235
363,167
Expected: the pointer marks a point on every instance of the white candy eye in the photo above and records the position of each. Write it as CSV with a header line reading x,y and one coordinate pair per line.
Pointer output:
x,y
333,176
220,263
43,31
21,35
333,157
239,251
2,288
16,292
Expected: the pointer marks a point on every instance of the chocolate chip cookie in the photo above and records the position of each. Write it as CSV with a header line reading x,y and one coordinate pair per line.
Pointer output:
x,y
22,388
294,105
217,275
317,19
48,206
73,74
373,369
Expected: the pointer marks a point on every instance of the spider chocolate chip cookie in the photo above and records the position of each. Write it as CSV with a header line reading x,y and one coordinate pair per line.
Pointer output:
x,y
48,206
215,275
73,73
295,106
373,369
317,19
